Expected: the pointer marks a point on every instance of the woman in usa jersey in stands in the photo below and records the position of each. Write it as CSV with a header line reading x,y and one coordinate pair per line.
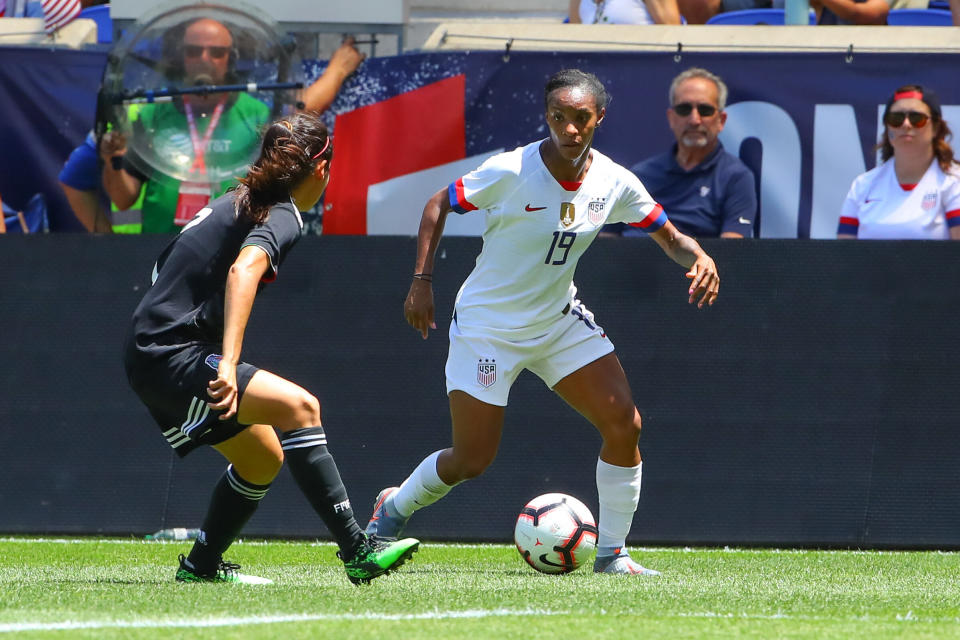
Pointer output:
x,y
915,193
544,203
182,358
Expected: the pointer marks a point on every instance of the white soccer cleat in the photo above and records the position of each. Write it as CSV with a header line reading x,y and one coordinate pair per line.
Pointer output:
x,y
621,563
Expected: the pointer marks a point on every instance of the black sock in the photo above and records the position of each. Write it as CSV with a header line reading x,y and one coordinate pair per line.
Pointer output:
x,y
233,502
315,472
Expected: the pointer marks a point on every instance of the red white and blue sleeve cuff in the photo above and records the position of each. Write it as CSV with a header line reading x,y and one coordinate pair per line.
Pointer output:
x,y
458,201
953,218
654,220
848,226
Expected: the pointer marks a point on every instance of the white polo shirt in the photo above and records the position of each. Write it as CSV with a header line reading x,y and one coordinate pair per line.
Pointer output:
x,y
536,230
878,207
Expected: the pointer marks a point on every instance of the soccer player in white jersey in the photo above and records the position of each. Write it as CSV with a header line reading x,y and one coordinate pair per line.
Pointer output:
x,y
915,193
543,205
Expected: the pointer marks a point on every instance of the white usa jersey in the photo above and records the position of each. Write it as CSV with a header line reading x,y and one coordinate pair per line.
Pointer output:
x,y
879,207
536,230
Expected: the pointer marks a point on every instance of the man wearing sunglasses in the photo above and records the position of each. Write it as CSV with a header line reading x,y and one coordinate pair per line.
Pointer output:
x,y
707,192
221,131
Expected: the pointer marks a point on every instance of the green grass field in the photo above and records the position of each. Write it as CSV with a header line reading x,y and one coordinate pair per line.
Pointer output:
x,y
114,588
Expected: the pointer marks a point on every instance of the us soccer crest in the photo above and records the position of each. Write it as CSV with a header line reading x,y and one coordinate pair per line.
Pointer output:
x,y
567,214
929,201
595,211
486,372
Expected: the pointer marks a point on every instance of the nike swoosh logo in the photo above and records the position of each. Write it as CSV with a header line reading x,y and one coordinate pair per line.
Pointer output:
x,y
744,220
529,208
871,200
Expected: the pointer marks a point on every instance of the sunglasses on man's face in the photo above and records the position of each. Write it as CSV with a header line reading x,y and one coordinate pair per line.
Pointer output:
x,y
196,50
684,109
917,118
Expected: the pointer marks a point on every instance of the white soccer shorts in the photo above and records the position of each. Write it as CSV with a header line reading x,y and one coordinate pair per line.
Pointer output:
x,y
485,365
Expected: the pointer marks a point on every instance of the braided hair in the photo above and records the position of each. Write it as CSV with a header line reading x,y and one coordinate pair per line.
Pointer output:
x,y
568,78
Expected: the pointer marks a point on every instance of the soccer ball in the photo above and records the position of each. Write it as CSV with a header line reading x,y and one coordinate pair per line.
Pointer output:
x,y
555,533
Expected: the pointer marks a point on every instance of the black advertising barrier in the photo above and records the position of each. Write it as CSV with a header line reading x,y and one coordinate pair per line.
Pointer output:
x,y
810,407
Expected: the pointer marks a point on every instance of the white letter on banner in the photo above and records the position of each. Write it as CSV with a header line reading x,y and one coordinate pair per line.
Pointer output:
x,y
837,161
780,167
394,206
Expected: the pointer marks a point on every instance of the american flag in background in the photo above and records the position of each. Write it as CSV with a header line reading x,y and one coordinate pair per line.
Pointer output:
x,y
56,13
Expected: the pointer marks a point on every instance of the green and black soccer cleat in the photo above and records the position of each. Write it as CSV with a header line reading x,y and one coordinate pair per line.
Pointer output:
x,y
225,572
378,556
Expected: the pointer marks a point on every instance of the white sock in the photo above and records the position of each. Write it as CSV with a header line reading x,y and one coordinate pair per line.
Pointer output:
x,y
619,491
422,488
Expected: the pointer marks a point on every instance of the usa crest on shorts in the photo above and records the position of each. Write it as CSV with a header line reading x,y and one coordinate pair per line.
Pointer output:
x,y
595,211
929,200
486,372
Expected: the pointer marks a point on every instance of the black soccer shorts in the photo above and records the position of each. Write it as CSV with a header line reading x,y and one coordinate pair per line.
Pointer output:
x,y
174,389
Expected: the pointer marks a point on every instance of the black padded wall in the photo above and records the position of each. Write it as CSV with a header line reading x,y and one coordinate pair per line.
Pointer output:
x,y
812,406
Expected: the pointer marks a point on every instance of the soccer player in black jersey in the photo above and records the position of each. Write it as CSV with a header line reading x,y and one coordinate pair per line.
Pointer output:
x,y
182,358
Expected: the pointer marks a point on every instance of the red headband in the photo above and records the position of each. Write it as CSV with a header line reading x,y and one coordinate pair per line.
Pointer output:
x,y
325,145
903,95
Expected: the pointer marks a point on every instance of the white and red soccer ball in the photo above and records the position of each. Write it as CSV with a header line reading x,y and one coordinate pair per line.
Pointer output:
x,y
555,533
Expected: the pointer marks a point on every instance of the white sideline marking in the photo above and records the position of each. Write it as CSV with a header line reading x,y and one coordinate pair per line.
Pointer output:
x,y
909,616
231,622
487,545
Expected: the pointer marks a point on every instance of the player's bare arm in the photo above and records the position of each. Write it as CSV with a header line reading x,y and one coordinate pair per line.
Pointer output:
x,y
242,280
685,251
418,308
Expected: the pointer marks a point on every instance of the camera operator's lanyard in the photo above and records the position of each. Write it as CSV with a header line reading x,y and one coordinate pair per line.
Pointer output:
x,y
195,193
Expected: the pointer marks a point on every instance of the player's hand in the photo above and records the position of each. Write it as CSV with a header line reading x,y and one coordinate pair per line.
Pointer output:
x,y
347,58
418,307
223,390
113,143
705,281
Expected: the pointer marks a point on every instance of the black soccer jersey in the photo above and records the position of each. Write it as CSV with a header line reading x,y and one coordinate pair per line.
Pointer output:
x,y
186,302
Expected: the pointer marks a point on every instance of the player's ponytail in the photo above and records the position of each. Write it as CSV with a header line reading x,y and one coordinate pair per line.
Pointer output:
x,y
290,152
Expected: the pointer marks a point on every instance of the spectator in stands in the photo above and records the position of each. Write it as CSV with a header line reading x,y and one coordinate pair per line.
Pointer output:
x,y
624,12
860,11
518,308
955,11
915,193
182,358
231,122
707,192
80,182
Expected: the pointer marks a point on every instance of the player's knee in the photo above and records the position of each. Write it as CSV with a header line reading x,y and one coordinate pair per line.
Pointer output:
x,y
306,409
624,424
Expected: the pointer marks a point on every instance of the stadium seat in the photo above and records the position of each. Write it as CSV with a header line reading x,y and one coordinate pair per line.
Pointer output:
x,y
939,4
920,18
101,15
754,16
33,218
